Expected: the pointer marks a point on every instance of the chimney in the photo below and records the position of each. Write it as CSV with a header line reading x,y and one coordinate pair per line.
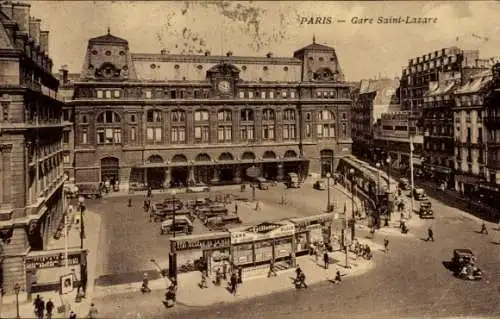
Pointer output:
x,y
207,53
35,29
229,53
63,74
269,55
21,15
6,8
163,51
44,41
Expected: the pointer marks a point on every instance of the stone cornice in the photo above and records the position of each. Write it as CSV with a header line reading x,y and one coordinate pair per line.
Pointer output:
x,y
121,102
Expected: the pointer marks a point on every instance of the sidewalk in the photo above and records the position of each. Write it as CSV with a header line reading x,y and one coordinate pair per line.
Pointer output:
x,y
255,282
91,242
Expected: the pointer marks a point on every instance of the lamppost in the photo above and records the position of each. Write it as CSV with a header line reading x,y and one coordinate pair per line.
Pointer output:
x,y
388,161
328,204
81,203
351,173
172,256
17,289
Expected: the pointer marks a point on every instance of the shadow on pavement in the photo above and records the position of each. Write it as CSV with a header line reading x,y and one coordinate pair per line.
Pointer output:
x,y
126,278
448,265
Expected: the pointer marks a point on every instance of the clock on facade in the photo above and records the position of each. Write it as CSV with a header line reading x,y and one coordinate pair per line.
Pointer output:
x,y
224,86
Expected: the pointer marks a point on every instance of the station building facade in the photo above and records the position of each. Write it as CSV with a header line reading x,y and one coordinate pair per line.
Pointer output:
x,y
168,120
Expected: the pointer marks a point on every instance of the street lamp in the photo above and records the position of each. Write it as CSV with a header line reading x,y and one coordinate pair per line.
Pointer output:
x,y
81,201
351,173
172,256
388,161
17,289
173,210
328,175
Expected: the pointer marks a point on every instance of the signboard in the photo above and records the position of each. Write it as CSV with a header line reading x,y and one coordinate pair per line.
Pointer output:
x,y
203,244
253,171
53,260
262,231
66,284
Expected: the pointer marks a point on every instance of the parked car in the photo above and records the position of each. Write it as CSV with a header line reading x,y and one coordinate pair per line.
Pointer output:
x,y
320,185
182,225
262,183
419,194
198,188
71,190
463,264
89,190
292,180
404,184
426,210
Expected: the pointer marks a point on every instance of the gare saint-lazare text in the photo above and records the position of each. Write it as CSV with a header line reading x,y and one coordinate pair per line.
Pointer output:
x,y
369,20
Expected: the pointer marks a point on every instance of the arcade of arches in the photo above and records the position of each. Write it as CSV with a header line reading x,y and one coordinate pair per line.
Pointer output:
x,y
178,171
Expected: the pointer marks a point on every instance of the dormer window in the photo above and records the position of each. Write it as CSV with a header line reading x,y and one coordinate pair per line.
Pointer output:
x,y
265,68
285,68
108,53
122,53
153,66
244,68
94,52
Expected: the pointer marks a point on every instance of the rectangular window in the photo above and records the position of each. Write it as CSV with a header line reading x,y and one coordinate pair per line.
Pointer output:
x,y
242,94
108,94
228,133
263,94
319,130
344,129
132,134
183,94
109,135
285,132
250,94
220,134
99,94
117,138
292,94
158,134
173,94
100,137
117,93
147,94
197,94
197,132
283,94
308,130
84,137
271,94
66,159
66,137
150,134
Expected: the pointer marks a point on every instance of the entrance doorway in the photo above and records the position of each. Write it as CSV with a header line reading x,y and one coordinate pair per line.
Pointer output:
x,y
110,170
326,158
180,176
226,174
270,171
156,177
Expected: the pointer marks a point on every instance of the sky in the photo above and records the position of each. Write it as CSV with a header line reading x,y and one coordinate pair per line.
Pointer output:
x,y
255,28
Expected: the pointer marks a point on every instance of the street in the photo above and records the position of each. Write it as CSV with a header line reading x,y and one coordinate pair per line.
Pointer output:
x,y
410,280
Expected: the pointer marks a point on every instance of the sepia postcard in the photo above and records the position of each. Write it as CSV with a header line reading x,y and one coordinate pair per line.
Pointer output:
x,y
249,159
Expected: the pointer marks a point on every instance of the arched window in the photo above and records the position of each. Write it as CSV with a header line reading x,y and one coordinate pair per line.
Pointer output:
x,y
202,126
289,125
108,128
154,129
225,127
268,124
247,125
326,127
178,127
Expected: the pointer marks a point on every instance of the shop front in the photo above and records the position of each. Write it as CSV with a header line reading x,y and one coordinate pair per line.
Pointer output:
x,y
214,248
311,230
262,243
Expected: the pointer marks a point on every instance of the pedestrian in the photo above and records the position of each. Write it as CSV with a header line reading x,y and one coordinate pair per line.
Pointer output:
x,y
145,284
326,259
224,269
302,280
316,255
338,277
235,208
150,191
72,315
484,230
386,244
92,312
36,304
430,234
41,309
203,283
257,205
233,283
298,271
272,271
49,307
83,281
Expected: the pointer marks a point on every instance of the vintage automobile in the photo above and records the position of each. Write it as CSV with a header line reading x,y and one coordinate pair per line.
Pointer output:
x,y
89,190
463,264
320,185
221,222
198,188
292,180
419,194
426,210
71,190
404,184
261,183
182,225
